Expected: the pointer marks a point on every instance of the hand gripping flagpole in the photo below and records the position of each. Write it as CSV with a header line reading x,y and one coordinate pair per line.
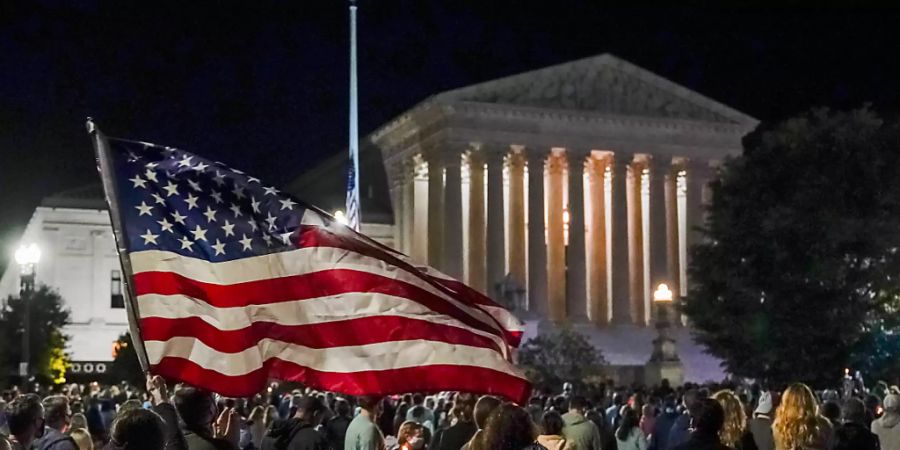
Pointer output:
x,y
105,167
353,206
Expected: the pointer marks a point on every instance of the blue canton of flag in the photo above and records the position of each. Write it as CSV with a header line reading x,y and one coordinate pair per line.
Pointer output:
x,y
176,201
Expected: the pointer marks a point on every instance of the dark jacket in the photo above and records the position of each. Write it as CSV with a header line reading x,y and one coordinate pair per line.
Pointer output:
x,y
174,437
853,436
679,433
203,441
336,431
761,429
294,435
659,438
455,437
698,441
53,439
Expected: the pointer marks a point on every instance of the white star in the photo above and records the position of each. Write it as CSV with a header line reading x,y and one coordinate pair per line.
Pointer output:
x,y
287,204
186,243
286,237
151,165
217,196
236,210
143,208
200,167
271,221
191,201
246,242
253,225
210,214
238,192
199,233
254,204
150,174
268,240
252,180
177,217
149,237
194,185
186,162
171,189
165,224
219,179
138,181
219,247
270,191
158,200
228,228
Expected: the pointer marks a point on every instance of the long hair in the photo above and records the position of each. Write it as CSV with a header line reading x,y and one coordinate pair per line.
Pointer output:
x,y
735,418
797,422
629,422
509,427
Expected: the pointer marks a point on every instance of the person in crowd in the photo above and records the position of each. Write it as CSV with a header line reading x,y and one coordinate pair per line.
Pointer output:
x,y
484,407
761,423
535,408
363,433
455,437
681,428
25,416
707,421
509,427
886,426
78,421
202,430
853,433
648,419
798,425
255,429
873,407
336,428
831,410
419,415
551,432
56,416
82,438
629,435
418,405
659,436
734,432
138,429
612,413
583,434
411,436
299,433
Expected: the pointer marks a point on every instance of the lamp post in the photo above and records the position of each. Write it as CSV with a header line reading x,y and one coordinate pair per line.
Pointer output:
x,y
664,362
27,256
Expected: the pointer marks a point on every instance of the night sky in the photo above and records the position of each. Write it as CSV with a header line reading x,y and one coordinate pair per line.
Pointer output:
x,y
262,85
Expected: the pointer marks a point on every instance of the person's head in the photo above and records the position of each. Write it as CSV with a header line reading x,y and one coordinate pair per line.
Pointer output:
x,y
831,410
891,404
708,417
310,410
342,408
371,404
138,429
56,412
418,399
412,435
764,405
196,407
25,418
629,421
735,418
82,438
483,409
578,404
648,411
509,427
854,411
418,413
690,398
797,422
130,404
552,423
618,399
464,404
78,421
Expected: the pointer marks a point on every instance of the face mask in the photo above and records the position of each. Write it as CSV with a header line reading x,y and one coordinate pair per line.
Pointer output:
x,y
416,442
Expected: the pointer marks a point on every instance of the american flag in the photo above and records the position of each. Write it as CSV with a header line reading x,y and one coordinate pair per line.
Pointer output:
x,y
236,282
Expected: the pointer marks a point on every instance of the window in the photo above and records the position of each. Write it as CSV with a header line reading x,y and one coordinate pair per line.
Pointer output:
x,y
116,300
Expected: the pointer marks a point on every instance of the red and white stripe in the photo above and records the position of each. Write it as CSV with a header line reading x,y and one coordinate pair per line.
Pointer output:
x,y
338,313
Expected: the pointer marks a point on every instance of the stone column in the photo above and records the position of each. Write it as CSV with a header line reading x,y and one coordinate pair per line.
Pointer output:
x,y
537,247
697,179
673,237
435,209
516,252
476,223
598,301
556,248
636,243
620,264
659,255
408,205
576,277
453,231
496,253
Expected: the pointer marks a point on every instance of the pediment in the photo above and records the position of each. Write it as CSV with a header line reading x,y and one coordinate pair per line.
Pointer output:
x,y
604,84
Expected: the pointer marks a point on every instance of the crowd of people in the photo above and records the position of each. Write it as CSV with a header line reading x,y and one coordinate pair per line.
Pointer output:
x,y
690,417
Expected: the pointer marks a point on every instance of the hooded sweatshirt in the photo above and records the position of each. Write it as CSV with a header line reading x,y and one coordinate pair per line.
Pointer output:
x,y
888,430
555,442
581,432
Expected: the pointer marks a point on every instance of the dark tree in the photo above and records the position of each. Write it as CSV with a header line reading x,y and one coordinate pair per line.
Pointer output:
x,y
125,366
48,342
566,356
799,274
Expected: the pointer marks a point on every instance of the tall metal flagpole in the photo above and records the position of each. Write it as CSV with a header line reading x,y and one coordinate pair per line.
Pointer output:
x,y
353,206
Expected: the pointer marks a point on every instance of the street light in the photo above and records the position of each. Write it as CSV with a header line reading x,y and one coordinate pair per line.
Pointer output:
x,y
27,256
664,361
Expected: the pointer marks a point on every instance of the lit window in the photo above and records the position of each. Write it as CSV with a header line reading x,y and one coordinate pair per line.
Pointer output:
x,y
116,300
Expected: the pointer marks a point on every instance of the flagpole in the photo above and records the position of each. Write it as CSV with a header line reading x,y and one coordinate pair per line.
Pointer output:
x,y
105,167
353,202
